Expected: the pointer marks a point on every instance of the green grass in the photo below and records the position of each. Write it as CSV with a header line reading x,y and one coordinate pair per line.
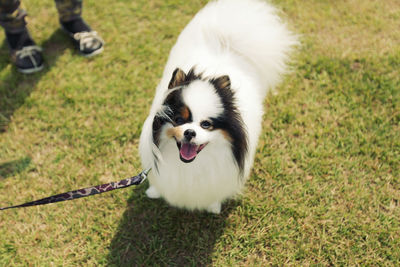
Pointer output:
x,y
325,186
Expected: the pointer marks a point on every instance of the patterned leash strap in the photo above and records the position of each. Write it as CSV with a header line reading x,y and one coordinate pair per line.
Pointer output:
x,y
85,192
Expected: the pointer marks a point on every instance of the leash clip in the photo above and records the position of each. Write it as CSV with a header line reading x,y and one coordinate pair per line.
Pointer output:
x,y
144,174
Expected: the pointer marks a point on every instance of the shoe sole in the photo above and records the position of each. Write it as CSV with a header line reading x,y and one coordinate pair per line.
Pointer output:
x,y
94,53
30,71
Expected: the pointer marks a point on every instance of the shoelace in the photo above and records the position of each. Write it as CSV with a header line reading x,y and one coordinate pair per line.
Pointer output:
x,y
28,51
87,39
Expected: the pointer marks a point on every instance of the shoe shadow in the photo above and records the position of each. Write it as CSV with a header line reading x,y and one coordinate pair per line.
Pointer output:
x,y
152,234
15,87
11,168
4,55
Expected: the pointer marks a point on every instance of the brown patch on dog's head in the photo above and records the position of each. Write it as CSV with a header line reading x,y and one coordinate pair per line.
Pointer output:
x,y
185,113
175,132
226,135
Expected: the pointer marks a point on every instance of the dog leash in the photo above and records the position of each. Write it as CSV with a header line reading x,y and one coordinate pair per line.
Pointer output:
x,y
85,192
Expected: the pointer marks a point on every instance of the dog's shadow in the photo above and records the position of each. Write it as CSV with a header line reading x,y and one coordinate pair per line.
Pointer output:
x,y
152,234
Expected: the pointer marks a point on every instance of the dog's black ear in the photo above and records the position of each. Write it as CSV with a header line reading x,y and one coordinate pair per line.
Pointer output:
x,y
222,82
157,124
178,78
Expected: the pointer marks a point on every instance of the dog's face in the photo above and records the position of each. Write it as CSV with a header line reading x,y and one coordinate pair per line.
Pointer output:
x,y
198,113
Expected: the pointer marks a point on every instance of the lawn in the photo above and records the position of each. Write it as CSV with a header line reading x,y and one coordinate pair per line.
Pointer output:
x,y
325,186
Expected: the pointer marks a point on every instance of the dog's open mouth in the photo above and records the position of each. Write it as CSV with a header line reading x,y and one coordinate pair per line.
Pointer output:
x,y
189,151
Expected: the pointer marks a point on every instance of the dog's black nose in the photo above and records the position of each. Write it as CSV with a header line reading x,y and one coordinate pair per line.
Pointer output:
x,y
189,134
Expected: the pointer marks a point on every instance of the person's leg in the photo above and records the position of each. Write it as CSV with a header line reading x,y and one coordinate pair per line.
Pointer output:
x,y
12,17
24,53
87,41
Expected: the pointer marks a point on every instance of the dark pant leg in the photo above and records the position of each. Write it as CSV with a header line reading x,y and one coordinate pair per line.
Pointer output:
x,y
68,9
12,16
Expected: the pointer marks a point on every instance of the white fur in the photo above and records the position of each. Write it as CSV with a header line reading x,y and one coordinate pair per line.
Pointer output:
x,y
246,41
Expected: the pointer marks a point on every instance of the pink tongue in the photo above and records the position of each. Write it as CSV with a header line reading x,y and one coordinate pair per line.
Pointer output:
x,y
188,151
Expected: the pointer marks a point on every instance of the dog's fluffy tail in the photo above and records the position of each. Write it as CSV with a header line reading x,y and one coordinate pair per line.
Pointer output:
x,y
252,29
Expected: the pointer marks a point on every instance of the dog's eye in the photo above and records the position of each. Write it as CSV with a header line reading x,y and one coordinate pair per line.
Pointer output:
x,y
179,120
206,124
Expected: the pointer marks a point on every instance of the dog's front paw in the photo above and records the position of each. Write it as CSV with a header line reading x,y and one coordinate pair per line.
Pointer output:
x,y
152,192
214,208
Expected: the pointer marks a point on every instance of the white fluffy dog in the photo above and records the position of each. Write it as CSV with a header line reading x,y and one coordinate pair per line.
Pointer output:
x,y
201,135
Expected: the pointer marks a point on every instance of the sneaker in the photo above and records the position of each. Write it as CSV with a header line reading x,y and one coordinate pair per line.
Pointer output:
x,y
25,54
29,59
87,41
